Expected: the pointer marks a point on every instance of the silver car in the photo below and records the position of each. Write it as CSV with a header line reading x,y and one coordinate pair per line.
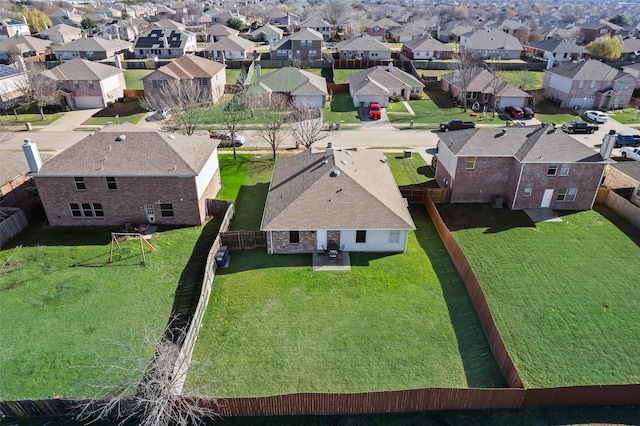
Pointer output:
x,y
596,116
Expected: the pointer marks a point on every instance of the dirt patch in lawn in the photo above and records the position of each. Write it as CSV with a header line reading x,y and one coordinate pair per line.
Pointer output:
x,y
123,109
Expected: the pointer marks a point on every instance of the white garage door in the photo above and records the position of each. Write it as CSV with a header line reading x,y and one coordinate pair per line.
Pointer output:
x,y
583,103
87,102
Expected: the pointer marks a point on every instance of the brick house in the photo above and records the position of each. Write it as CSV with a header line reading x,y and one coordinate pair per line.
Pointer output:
x,y
230,48
30,48
61,33
426,48
379,84
484,89
595,29
559,50
130,174
624,178
374,30
305,45
267,33
529,167
317,24
589,84
345,197
363,47
85,84
171,43
189,68
92,48
491,44
305,89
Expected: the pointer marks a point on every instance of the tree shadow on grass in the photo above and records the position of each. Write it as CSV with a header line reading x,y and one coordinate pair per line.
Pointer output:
x,y
478,361
483,215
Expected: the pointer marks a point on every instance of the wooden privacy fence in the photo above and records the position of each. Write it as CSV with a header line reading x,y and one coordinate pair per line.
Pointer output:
x,y
416,194
239,240
623,208
12,222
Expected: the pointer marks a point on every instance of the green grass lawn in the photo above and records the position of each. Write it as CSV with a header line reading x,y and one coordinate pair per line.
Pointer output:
x,y
427,112
627,116
341,76
133,78
409,171
341,110
34,119
547,112
397,107
564,295
232,74
393,322
103,121
67,313
524,79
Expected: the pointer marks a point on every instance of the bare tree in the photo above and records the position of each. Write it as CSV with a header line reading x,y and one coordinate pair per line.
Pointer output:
x,y
39,87
233,115
185,99
307,127
537,96
335,10
273,114
147,390
497,85
465,68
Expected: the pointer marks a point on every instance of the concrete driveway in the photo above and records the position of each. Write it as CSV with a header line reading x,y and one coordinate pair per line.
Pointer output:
x,y
594,140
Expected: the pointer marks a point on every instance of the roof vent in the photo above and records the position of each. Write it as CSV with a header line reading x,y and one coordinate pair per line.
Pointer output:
x,y
344,162
120,138
171,136
335,173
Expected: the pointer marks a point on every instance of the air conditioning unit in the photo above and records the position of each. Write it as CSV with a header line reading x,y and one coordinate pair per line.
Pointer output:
x,y
498,202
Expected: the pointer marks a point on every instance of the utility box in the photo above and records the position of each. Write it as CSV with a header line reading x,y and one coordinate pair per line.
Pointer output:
x,y
222,257
407,154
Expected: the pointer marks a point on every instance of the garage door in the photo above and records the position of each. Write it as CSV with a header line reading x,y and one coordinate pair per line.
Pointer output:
x,y
87,102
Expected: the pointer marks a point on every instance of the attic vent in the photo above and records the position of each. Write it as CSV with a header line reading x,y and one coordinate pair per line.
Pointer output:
x,y
344,162
347,152
335,173
120,138
171,136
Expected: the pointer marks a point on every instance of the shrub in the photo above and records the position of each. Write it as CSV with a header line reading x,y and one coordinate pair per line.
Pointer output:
x,y
417,96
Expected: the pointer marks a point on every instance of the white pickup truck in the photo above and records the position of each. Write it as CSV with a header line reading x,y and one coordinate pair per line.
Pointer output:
x,y
632,153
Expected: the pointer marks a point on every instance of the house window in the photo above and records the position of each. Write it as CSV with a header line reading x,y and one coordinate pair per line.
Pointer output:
x,y
527,192
202,81
166,210
159,84
294,237
566,195
394,236
470,163
90,84
580,84
553,169
97,210
604,31
76,84
313,53
79,181
89,54
593,84
111,182
564,169
75,210
361,236
86,210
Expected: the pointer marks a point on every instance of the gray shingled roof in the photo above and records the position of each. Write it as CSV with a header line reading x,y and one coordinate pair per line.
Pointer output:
x,y
588,70
483,83
220,30
60,29
558,46
188,67
306,193
81,69
230,43
295,82
428,44
378,80
25,44
268,30
314,22
529,144
364,43
492,40
14,163
143,152
93,44
629,168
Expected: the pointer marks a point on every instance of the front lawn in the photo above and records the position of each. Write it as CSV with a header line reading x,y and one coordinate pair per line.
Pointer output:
x,y
341,110
427,112
67,313
627,116
32,118
547,112
564,295
401,321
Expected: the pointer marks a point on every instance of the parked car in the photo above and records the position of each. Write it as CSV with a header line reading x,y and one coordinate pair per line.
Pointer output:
x,y
225,139
631,153
528,113
375,113
514,111
332,46
456,124
579,127
627,139
596,116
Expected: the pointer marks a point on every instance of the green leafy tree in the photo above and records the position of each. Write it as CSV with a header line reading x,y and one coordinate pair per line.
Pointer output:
x,y
235,23
89,24
608,48
621,20
36,20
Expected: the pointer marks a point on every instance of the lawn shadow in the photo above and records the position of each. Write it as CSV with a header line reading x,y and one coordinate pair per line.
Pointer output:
x,y
624,226
480,367
123,109
258,258
483,215
440,98
364,258
39,234
249,206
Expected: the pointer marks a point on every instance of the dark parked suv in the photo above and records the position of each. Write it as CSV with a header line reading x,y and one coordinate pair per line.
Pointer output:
x,y
514,111
528,113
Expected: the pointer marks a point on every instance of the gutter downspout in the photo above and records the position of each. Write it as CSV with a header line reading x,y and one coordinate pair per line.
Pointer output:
x,y
515,196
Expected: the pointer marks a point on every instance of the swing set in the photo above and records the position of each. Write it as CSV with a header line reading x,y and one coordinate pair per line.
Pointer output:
x,y
114,240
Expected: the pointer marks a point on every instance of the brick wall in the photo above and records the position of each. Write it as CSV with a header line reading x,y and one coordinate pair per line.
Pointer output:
x,y
278,242
592,92
124,204
491,176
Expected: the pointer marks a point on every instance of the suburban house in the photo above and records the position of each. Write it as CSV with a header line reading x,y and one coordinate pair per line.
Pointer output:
x,y
69,16
634,70
61,33
85,84
13,83
379,84
16,187
165,44
426,48
13,28
216,32
120,29
209,75
318,25
630,49
168,24
453,32
229,48
92,48
129,174
374,30
305,45
345,198
558,49
512,27
305,89
593,30
491,44
526,167
588,84
286,21
30,48
267,34
484,89
406,33
363,47
624,179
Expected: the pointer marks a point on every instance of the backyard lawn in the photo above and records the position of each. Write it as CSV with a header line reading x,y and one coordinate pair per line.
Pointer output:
x,y
67,313
133,78
409,171
564,295
341,110
401,321
524,79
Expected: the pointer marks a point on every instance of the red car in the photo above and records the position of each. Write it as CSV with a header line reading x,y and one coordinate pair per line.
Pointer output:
x,y
375,113
514,111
